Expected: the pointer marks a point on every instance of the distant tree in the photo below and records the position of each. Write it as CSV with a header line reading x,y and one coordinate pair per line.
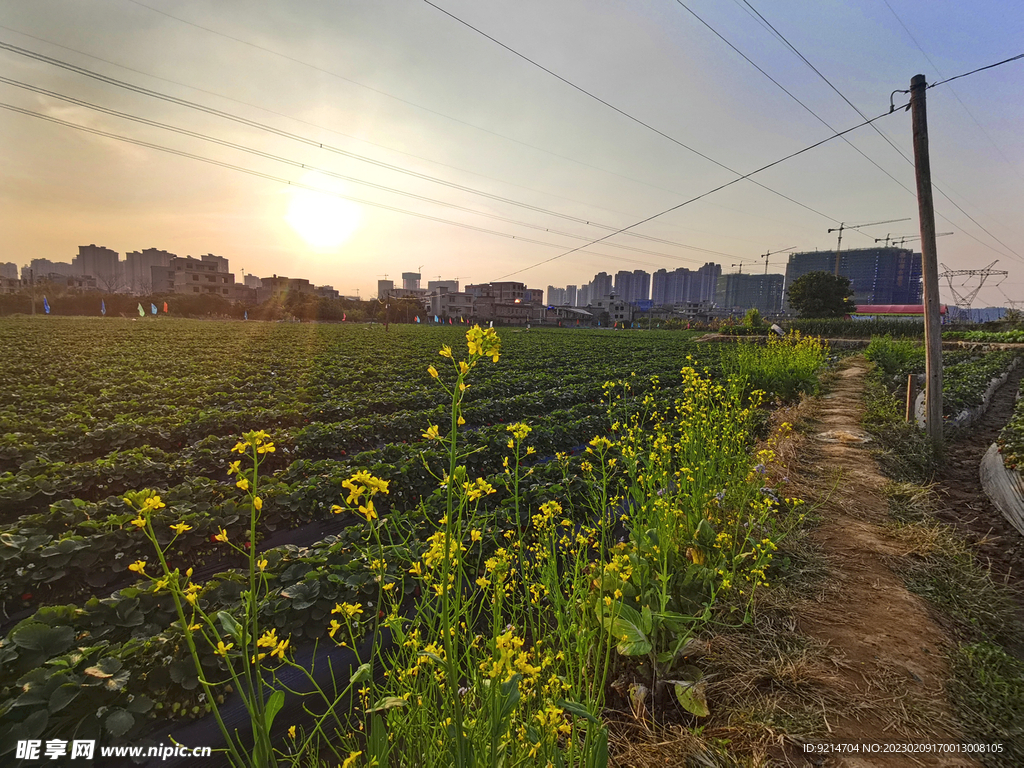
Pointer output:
x,y
753,318
822,294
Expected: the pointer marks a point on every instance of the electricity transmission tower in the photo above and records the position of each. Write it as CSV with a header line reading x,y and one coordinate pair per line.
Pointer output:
x,y
964,298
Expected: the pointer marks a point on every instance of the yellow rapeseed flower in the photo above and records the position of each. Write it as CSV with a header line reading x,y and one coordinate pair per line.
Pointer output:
x,y
139,522
350,761
257,502
291,732
234,467
139,566
431,433
335,626
280,649
180,528
243,484
262,563
222,649
221,536
446,351
432,371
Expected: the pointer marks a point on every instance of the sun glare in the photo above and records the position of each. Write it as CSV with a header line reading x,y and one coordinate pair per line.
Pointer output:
x,y
322,220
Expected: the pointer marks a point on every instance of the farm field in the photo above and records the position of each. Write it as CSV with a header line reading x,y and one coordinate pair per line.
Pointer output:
x,y
618,500
99,408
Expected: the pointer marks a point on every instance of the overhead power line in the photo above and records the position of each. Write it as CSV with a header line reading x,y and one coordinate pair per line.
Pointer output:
x,y
623,112
320,145
952,90
888,140
709,192
300,185
979,69
334,131
785,90
327,172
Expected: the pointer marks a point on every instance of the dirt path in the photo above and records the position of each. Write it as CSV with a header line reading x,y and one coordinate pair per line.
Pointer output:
x,y
890,654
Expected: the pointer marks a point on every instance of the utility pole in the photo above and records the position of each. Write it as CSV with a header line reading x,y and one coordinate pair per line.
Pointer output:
x,y
930,263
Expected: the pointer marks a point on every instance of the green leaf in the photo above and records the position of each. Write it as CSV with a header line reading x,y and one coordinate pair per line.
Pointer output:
x,y
107,667
616,620
229,624
690,690
509,692
361,674
119,722
388,702
274,704
50,641
377,743
577,709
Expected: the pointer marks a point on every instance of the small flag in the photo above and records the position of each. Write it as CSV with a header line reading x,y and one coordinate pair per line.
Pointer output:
x,y
344,316
103,307
460,319
436,320
153,308
492,323
577,321
165,307
417,318
46,305
142,312
449,319
247,314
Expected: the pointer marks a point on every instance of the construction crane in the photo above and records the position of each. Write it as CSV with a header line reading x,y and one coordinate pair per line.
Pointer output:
x,y
842,226
740,265
904,238
772,253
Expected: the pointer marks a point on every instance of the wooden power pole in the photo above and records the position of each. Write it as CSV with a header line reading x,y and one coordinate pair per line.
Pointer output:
x,y
930,263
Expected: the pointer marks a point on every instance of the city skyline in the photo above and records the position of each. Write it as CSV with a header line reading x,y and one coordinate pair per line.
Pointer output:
x,y
424,106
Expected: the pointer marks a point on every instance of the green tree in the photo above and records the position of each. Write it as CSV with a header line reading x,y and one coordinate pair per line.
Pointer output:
x,y
822,294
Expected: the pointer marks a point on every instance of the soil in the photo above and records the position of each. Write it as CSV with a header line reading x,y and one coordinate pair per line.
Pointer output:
x,y
964,504
890,654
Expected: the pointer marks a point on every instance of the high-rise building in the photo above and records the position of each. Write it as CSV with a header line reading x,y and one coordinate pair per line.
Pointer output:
x,y
9,270
101,263
411,281
138,266
641,285
704,283
624,285
878,275
385,288
600,286
570,295
583,296
743,292
40,268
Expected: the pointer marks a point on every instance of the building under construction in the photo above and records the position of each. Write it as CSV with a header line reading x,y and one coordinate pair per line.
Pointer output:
x,y
879,275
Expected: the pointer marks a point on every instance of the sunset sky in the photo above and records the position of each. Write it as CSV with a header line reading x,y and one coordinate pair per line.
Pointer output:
x,y
423,115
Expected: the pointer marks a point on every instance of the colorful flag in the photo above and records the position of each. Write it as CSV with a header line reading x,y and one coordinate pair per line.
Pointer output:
x,y
492,323
344,316
153,308
46,305
460,319
103,307
436,320
417,318
247,314
449,319
142,312
165,307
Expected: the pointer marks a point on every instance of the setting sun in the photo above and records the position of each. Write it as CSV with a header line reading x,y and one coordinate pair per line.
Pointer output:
x,y
321,219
